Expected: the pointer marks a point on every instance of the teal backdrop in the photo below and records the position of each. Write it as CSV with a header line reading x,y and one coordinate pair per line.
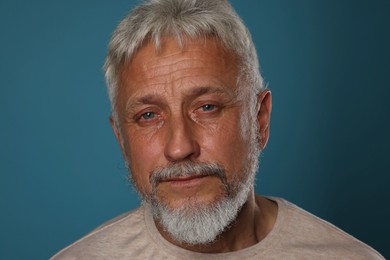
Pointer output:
x,y
326,62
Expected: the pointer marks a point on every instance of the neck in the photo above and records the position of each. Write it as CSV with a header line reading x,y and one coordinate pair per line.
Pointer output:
x,y
254,221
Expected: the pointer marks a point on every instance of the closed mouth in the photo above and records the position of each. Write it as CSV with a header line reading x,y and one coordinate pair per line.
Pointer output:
x,y
185,180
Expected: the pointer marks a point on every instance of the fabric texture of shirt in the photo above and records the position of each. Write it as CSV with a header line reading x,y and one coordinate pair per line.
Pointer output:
x,y
296,234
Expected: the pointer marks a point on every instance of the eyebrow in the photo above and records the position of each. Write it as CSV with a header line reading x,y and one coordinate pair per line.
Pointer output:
x,y
155,99
228,94
199,91
131,104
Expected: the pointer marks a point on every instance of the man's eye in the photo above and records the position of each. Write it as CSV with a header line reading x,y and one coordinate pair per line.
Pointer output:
x,y
148,116
208,107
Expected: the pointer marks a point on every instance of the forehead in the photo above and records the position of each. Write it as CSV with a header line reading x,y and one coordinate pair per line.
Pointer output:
x,y
198,60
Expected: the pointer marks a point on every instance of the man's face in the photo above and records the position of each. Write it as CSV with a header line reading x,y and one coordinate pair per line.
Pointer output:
x,y
179,105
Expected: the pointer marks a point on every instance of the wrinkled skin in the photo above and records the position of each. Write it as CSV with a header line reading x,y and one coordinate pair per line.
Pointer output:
x,y
179,104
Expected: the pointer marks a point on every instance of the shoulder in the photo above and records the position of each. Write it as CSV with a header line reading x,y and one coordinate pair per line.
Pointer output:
x,y
316,237
108,238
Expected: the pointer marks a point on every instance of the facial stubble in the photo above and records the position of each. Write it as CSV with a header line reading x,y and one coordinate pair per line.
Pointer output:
x,y
198,223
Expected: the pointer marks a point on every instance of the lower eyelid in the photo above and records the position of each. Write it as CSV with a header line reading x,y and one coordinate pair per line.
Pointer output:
x,y
212,111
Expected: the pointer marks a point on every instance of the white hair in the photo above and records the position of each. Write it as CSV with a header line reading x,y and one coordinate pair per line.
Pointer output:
x,y
154,19
194,222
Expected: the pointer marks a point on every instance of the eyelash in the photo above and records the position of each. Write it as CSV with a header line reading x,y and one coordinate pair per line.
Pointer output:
x,y
208,108
146,116
150,115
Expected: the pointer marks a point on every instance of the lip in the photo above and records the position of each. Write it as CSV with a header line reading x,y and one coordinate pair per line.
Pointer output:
x,y
186,181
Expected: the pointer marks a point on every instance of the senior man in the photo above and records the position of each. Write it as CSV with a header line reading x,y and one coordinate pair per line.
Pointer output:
x,y
191,116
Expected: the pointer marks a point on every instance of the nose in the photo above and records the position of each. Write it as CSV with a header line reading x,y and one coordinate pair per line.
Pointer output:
x,y
181,143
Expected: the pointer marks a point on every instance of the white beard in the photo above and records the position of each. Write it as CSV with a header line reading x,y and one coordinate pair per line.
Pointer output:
x,y
196,223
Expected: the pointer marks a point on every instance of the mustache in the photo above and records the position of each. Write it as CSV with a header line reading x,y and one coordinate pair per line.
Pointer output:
x,y
187,169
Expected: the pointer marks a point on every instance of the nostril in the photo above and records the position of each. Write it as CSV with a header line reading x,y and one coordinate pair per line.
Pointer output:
x,y
180,144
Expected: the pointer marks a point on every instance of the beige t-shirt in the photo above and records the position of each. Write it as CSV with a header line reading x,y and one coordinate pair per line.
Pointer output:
x,y
296,234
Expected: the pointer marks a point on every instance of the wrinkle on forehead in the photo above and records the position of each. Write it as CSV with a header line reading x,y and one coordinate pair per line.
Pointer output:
x,y
171,69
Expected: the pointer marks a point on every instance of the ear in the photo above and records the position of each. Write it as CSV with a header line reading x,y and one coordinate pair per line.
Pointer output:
x,y
264,108
118,136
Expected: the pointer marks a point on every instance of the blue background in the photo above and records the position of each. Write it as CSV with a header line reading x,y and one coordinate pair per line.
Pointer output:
x,y
327,63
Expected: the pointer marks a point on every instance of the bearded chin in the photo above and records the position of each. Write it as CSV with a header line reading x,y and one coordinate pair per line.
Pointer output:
x,y
197,223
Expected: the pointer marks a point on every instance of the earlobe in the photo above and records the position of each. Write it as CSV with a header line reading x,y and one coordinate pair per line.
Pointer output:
x,y
264,116
115,129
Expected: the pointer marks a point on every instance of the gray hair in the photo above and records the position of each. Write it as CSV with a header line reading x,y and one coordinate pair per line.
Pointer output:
x,y
154,19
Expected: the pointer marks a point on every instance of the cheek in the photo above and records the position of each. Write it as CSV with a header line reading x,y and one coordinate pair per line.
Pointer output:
x,y
144,154
228,143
